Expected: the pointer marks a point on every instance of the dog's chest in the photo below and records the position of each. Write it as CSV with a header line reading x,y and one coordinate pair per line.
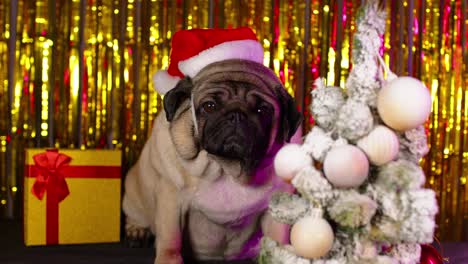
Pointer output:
x,y
229,203
209,240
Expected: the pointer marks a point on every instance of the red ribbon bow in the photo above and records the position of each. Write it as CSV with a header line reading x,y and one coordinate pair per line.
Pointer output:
x,y
48,167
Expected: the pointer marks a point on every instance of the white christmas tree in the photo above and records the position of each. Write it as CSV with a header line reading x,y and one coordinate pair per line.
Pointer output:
x,y
360,197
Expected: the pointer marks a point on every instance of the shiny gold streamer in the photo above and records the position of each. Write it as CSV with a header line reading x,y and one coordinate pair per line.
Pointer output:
x,y
125,42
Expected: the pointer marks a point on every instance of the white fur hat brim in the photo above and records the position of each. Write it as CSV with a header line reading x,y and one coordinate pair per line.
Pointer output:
x,y
239,49
163,82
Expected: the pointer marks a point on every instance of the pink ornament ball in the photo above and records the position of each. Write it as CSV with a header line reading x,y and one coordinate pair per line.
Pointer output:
x,y
346,166
290,160
381,145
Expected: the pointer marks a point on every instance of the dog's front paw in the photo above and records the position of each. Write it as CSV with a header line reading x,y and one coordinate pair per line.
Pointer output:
x,y
169,258
136,236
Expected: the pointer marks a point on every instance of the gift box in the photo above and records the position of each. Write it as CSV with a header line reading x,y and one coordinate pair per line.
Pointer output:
x,y
72,196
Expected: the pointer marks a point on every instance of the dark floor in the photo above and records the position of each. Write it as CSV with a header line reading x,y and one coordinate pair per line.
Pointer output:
x,y
12,251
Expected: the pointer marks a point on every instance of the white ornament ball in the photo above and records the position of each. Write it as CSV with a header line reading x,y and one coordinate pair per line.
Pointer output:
x,y
312,237
404,103
346,166
289,160
381,145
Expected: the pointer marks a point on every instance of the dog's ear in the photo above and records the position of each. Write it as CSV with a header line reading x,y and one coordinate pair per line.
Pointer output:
x,y
174,98
290,117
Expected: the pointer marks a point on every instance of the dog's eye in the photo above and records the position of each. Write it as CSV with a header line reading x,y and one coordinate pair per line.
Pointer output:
x,y
262,109
209,106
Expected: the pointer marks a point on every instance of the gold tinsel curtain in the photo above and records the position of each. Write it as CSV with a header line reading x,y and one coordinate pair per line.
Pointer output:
x,y
77,74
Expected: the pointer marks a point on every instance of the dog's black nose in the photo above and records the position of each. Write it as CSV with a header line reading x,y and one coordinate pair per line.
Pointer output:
x,y
236,117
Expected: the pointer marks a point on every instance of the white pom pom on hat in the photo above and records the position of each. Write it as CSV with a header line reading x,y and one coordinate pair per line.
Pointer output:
x,y
194,49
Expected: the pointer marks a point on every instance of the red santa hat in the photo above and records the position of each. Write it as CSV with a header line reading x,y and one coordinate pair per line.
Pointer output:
x,y
194,49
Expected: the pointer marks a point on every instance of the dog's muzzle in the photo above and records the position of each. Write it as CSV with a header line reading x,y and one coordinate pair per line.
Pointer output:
x,y
229,136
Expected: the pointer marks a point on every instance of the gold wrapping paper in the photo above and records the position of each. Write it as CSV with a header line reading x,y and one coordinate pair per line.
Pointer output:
x,y
90,213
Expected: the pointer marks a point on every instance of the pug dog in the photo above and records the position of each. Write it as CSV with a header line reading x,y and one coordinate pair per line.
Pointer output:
x,y
205,176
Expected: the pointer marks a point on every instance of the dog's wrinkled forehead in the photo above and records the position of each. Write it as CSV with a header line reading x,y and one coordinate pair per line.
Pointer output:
x,y
250,74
